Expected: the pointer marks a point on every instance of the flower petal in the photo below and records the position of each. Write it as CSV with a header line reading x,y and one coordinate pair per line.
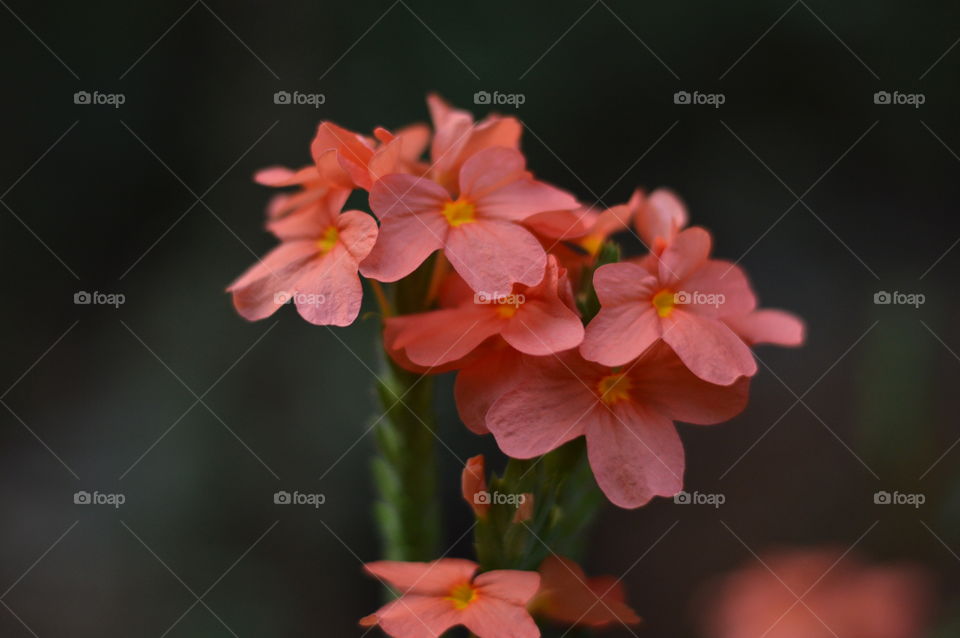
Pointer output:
x,y
542,413
358,233
415,138
509,585
685,255
661,380
522,199
543,326
496,181
491,169
559,224
615,219
416,617
620,333
353,151
452,131
329,292
708,347
768,326
402,195
441,336
566,595
660,218
726,288
457,138
436,578
491,132
392,331
255,292
283,176
494,618
635,454
623,282
493,255
311,221
479,384
411,226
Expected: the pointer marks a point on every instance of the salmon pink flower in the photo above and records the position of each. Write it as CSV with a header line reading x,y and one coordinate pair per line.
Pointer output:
x,y
534,320
445,593
568,597
349,160
842,596
680,297
479,230
626,415
457,138
659,219
315,265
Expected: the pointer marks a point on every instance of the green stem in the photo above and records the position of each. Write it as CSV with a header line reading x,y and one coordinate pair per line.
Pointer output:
x,y
405,472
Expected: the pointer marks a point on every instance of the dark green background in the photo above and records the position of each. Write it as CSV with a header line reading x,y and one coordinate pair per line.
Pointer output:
x,y
596,105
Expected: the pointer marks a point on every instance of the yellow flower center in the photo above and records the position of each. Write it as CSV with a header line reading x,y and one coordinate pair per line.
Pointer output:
x,y
592,244
506,311
328,240
460,212
663,302
614,388
462,595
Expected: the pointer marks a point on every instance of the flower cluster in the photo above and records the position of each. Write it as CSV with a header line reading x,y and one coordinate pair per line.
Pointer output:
x,y
553,336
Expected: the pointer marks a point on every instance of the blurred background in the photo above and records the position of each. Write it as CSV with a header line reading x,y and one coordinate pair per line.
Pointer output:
x,y
197,417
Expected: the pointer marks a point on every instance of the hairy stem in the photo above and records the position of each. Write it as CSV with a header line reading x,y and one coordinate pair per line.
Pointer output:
x,y
405,471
